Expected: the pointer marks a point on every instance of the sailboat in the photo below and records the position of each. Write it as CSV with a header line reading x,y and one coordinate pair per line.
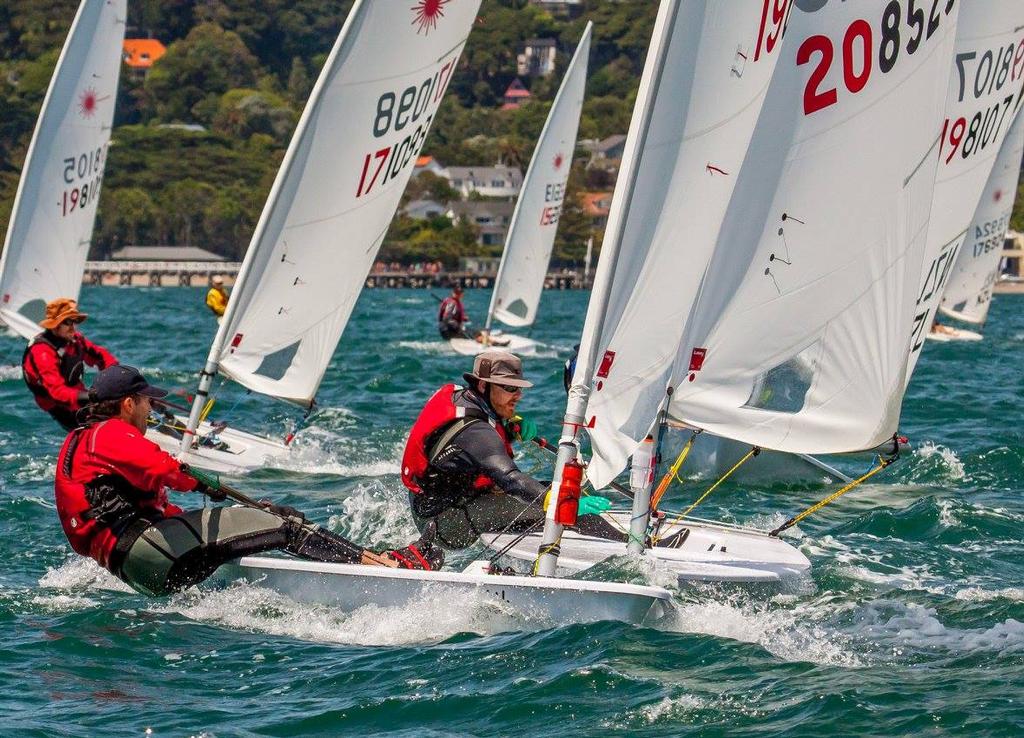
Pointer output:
x,y
968,294
753,295
359,74
981,104
324,220
55,207
531,234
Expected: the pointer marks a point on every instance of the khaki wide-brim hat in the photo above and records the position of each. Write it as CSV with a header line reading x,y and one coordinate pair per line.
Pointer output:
x,y
497,367
59,310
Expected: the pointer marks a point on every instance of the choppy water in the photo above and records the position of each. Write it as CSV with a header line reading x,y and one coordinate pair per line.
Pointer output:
x,y
912,624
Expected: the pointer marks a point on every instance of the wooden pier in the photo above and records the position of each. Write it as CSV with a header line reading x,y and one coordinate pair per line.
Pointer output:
x,y
201,273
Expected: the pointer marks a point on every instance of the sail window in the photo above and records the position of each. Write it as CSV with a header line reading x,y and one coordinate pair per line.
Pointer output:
x,y
518,308
34,310
784,387
276,365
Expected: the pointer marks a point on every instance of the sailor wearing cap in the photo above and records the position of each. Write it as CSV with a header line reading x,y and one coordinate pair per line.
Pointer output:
x,y
54,362
458,463
111,492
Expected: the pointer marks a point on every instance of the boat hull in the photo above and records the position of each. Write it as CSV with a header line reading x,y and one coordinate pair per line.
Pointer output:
x,y
519,345
710,552
351,586
948,334
236,452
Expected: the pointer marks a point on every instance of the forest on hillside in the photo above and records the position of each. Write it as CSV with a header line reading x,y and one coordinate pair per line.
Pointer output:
x,y
239,73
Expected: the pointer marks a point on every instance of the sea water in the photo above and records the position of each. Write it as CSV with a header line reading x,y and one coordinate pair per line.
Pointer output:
x,y
912,622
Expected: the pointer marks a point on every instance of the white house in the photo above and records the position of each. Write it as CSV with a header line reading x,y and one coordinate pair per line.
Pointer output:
x,y
499,181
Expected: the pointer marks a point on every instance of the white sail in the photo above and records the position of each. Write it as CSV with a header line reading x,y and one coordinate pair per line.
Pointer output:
x,y
336,192
769,311
985,84
531,235
707,71
55,207
968,294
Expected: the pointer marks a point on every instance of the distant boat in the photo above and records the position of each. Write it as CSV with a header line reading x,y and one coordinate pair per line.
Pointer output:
x,y
982,103
531,234
55,207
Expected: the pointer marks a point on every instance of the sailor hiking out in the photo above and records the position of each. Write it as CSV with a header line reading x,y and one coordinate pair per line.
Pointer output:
x,y
458,463
53,365
112,501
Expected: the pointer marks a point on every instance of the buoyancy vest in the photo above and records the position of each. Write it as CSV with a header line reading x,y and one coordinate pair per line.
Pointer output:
x,y
439,412
71,364
95,503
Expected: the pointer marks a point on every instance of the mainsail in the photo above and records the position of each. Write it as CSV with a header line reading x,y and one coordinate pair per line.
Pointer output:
x,y
968,294
766,251
55,206
985,86
335,195
531,234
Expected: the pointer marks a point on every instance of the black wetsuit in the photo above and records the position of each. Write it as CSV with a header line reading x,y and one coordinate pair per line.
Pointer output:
x,y
463,512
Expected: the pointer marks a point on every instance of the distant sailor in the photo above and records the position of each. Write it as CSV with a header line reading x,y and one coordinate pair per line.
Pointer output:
x,y
458,463
217,297
53,365
112,501
451,316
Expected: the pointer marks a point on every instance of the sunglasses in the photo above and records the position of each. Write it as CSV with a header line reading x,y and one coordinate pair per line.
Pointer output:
x,y
510,389
71,321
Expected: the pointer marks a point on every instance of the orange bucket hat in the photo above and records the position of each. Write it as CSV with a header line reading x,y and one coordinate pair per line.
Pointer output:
x,y
59,310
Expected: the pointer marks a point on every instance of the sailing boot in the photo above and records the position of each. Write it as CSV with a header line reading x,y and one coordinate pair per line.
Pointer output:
x,y
421,554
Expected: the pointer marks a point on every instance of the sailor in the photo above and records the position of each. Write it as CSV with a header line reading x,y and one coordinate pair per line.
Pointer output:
x,y
458,464
112,501
54,362
451,315
217,297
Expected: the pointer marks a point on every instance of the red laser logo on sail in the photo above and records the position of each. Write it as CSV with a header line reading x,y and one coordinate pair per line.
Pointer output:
x,y
558,160
427,13
87,103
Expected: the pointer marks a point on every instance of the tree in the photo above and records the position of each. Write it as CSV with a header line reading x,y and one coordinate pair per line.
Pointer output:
x,y
186,83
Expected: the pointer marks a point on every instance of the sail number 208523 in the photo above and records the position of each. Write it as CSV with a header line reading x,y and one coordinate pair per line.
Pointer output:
x,y
904,26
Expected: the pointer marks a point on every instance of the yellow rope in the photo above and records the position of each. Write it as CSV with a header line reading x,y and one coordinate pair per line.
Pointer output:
x,y
752,452
673,472
882,463
206,409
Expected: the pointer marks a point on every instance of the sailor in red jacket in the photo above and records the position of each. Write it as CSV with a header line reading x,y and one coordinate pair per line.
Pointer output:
x,y
111,491
54,362
458,463
451,315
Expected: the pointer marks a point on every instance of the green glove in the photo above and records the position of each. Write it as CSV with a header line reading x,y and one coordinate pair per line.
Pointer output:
x,y
209,484
521,429
594,505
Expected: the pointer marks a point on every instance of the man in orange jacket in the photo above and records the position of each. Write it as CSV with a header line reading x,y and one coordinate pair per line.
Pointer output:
x,y
54,362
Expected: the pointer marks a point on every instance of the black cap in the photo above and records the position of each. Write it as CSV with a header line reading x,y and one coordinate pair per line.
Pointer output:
x,y
120,380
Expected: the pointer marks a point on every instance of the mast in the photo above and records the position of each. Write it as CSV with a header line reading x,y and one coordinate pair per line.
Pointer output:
x,y
209,371
579,392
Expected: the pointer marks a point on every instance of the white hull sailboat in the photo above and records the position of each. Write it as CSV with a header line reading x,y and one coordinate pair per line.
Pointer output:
x,y
281,339
545,599
714,305
531,234
55,208
979,138
325,218
703,551
519,345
